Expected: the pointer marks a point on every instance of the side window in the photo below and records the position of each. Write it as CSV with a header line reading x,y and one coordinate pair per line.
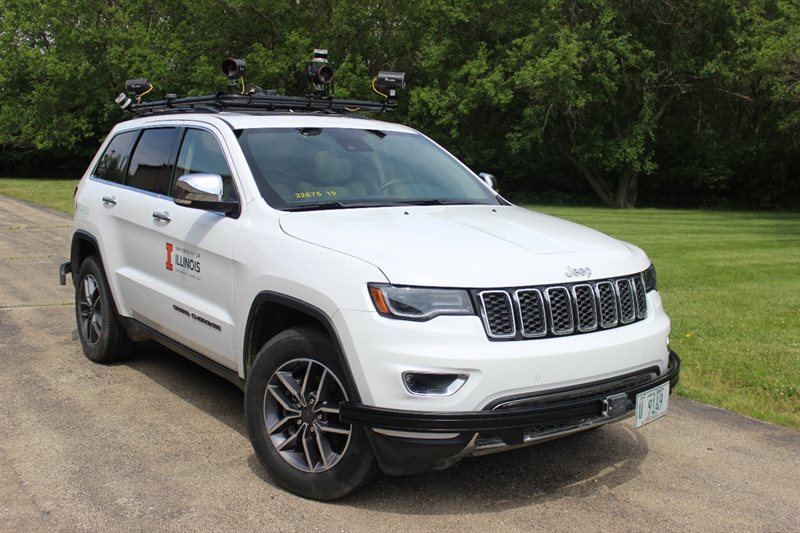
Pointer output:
x,y
201,153
151,168
112,165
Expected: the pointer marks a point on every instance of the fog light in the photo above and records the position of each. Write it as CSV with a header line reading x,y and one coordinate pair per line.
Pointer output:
x,y
429,384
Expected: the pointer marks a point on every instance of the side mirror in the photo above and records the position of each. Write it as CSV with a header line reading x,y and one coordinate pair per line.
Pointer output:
x,y
489,179
203,191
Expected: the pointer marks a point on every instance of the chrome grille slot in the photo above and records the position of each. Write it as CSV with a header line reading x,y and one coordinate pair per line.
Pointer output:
x,y
585,307
560,306
641,298
558,310
497,314
609,315
626,303
531,306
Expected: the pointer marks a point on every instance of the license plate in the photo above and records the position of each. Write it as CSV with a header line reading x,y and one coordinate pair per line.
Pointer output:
x,y
651,405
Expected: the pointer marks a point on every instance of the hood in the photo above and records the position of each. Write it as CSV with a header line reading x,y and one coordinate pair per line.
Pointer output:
x,y
469,246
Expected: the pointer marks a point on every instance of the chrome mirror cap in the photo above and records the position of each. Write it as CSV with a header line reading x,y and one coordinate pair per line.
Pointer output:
x,y
489,180
198,188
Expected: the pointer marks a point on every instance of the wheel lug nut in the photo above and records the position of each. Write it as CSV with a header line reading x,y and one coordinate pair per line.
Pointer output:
x,y
311,429
299,421
319,416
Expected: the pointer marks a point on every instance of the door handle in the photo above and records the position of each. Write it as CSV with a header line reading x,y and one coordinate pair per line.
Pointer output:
x,y
161,215
109,200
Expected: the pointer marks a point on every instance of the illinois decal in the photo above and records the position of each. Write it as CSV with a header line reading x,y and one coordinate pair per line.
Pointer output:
x,y
182,260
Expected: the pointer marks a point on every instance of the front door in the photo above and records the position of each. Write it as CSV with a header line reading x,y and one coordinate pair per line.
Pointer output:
x,y
195,265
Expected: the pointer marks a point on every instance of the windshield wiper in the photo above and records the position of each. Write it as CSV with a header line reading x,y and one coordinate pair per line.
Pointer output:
x,y
435,201
319,206
335,204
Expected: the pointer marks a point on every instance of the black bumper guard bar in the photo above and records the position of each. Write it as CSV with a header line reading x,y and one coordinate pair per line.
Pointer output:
x,y
503,419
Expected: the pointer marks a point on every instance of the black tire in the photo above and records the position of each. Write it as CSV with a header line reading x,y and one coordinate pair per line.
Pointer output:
x,y
102,336
317,460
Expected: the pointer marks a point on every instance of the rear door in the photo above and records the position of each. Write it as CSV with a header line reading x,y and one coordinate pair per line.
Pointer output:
x,y
169,265
139,212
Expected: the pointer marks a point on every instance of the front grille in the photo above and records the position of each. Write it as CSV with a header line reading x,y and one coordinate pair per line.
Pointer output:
x,y
498,316
561,312
558,310
586,306
609,308
626,301
531,305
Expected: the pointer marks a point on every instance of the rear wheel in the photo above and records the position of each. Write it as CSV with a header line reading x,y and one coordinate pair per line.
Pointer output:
x,y
292,401
102,337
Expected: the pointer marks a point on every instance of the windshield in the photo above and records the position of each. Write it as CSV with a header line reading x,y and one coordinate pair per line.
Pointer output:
x,y
323,168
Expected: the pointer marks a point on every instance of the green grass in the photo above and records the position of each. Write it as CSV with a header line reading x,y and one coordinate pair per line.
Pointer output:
x,y
56,194
730,282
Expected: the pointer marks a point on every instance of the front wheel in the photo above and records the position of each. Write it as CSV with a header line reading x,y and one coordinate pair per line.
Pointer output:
x,y
292,401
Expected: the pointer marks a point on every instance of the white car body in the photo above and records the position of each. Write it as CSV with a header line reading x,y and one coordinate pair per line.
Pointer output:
x,y
326,259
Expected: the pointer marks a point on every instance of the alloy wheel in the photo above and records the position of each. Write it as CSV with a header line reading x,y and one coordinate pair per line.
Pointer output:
x,y
91,310
301,414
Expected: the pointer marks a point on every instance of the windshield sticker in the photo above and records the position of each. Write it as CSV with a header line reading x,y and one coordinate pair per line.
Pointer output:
x,y
183,261
314,194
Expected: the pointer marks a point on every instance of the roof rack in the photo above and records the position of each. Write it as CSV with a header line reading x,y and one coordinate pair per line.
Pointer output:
x,y
216,103
319,74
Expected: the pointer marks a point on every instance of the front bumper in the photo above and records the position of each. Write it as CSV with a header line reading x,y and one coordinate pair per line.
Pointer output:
x,y
504,423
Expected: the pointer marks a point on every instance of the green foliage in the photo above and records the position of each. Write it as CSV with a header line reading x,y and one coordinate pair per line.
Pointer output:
x,y
678,100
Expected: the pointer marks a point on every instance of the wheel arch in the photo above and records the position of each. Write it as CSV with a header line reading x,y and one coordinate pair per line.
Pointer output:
x,y
83,245
272,312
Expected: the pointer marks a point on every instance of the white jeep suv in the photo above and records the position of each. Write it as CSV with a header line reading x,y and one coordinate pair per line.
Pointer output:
x,y
377,301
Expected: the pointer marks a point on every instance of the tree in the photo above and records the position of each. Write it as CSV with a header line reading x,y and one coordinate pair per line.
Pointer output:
x,y
597,78
666,96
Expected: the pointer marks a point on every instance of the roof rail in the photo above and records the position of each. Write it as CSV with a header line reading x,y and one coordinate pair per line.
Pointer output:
x,y
257,102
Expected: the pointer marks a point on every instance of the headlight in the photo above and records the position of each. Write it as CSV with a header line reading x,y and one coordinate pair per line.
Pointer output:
x,y
650,278
416,303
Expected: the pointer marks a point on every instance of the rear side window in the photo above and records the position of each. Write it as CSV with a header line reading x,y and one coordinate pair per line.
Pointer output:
x,y
201,153
112,165
151,163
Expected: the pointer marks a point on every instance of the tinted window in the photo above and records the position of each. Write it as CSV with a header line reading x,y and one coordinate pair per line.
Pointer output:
x,y
150,165
201,153
112,165
294,167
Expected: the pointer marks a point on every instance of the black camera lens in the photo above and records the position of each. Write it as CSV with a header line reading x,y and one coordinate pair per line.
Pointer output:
x,y
234,68
321,74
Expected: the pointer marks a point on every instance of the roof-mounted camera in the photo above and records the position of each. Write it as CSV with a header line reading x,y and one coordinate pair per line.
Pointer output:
x,y
320,74
138,87
234,68
390,83
252,98
135,89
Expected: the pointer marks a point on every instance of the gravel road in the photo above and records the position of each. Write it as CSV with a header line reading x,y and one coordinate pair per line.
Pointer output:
x,y
157,443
